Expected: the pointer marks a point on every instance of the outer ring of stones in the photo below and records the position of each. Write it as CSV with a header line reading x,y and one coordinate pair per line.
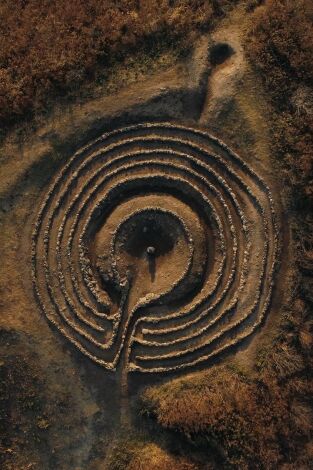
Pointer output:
x,y
229,198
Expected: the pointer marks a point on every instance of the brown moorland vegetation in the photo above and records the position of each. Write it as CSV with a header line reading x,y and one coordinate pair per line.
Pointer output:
x,y
133,454
152,457
240,421
49,49
281,49
265,419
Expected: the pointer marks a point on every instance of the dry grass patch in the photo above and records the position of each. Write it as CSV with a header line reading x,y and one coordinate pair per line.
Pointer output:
x,y
135,454
281,49
152,457
243,422
50,49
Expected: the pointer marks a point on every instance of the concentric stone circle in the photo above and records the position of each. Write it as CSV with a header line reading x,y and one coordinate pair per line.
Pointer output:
x,y
155,248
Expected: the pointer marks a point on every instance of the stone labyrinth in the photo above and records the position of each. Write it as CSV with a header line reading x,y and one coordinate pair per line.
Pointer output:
x,y
155,249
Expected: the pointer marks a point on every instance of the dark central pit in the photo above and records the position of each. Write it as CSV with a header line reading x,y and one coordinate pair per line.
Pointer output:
x,y
152,234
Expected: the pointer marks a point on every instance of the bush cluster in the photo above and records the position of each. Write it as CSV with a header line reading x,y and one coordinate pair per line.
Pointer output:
x,y
49,48
281,49
241,422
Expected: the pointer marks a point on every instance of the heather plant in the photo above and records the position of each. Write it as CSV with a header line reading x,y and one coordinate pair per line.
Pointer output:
x,y
50,49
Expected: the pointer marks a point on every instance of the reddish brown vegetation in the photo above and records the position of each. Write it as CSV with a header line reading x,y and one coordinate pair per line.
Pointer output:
x,y
50,48
133,453
242,422
282,48
152,457
265,420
